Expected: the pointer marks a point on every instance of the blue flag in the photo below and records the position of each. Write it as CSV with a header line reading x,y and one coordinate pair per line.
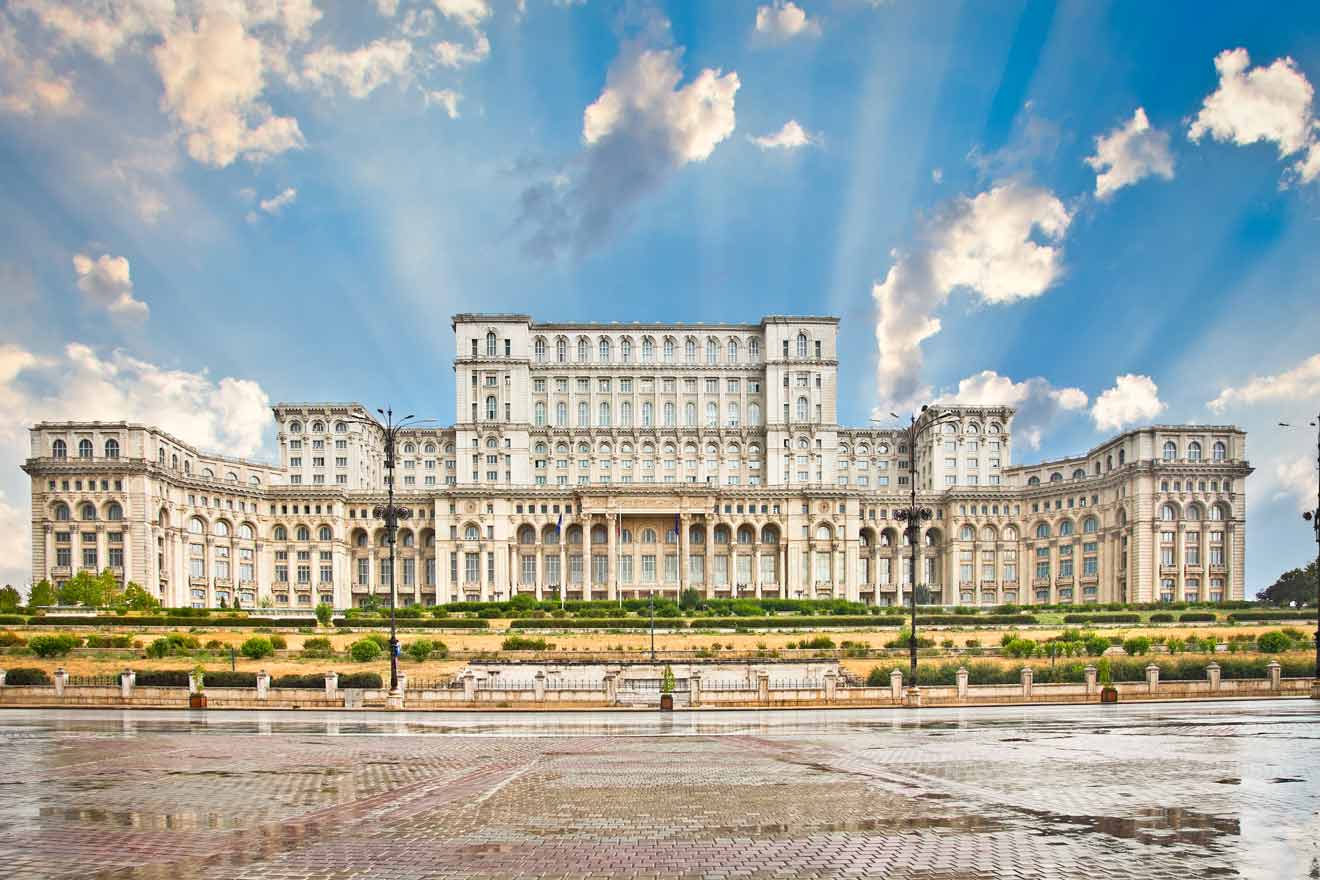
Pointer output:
x,y
559,524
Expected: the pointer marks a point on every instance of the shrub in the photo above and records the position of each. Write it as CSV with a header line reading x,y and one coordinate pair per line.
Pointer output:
x,y
1280,614
877,677
314,680
1020,648
419,650
359,680
1161,617
24,675
523,643
53,646
904,640
279,643
1136,646
11,640
95,641
1270,642
162,678
1176,646
1096,645
324,614
257,647
214,645
225,679
382,640
1102,618
365,650
1196,617
818,643
317,647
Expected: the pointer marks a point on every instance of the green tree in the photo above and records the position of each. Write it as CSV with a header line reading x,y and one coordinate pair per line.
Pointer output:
x,y
1270,642
138,599
257,647
364,650
1297,585
81,589
690,600
107,587
9,599
420,650
667,680
42,594
324,614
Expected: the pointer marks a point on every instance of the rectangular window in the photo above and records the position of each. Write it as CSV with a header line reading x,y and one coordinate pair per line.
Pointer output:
x,y
625,564
472,568
552,574
648,568
363,576
671,568
575,569
528,574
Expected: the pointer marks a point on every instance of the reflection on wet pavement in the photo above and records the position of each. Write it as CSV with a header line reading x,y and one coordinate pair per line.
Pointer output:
x,y
1173,790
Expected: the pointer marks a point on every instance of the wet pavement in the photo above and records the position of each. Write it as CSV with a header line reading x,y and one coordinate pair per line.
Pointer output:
x,y
1153,790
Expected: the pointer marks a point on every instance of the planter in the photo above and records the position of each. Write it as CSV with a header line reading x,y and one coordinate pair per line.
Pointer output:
x,y
666,702
1109,695
197,701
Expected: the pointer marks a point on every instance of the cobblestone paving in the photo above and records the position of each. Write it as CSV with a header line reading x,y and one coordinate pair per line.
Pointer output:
x,y
1187,790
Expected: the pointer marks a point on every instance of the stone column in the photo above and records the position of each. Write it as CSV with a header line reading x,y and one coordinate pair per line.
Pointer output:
x,y
896,685
403,683
694,683
469,686
682,552
538,685
611,686
127,680
263,685
1152,678
611,545
1275,672
1090,672
810,585
962,682
1180,559
831,686
763,687
1028,675
61,680
756,565
192,684
540,568
563,570
331,685
1212,673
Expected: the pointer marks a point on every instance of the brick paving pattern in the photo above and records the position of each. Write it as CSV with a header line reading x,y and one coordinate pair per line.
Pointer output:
x,y
1187,790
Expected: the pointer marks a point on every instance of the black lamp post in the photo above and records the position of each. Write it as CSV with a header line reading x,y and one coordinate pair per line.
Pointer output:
x,y
1313,517
915,515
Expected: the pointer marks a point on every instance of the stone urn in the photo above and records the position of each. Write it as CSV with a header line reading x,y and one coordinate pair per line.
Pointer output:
x,y
666,702
197,701
1109,694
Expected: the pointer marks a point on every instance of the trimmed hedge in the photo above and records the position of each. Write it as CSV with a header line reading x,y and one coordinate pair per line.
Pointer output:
x,y
1197,617
1102,618
227,679
997,620
438,623
597,623
12,620
24,675
1126,669
156,620
1281,614
794,622
369,680
313,681
162,678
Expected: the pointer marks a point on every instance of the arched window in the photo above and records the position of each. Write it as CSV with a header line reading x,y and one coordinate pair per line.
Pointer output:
x,y
746,535
690,350
1122,457
696,535
492,344
360,538
231,477
492,408
295,427
966,533
720,535
604,351
769,535
648,350
1043,530
1219,451
84,448
1194,451
1090,525
1194,512
1079,474
174,462
803,409
824,532
221,529
625,414
648,411
87,512
625,350
112,448
988,534
280,534
471,532
712,351
1010,533
669,351
734,414
1170,450
561,415
1168,513
1065,528
325,533
712,414
341,428
406,538
575,534
1033,481
604,421
648,536
302,533
196,526
539,417
538,349
1217,513
802,345
561,350
584,350
669,414
583,415
754,349
753,414
62,512
246,532
1056,477
114,512
59,450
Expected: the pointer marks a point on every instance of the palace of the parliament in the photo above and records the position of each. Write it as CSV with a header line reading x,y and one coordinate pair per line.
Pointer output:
x,y
612,461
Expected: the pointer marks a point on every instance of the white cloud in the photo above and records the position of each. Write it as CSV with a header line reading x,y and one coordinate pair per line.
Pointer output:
x,y
1296,479
99,27
642,129
1132,399
275,204
107,283
1037,402
446,98
784,20
1302,382
469,13
229,416
1002,245
387,8
1128,154
456,55
28,86
213,78
937,175
360,71
1262,104
790,137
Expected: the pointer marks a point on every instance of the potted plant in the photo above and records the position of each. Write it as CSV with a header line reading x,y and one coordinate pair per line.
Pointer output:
x,y
667,689
1108,693
198,700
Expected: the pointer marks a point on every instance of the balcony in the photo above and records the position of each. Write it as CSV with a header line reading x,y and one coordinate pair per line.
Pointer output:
x,y
61,571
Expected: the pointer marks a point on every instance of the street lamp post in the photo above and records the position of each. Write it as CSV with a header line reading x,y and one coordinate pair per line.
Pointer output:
x,y
914,516
1313,517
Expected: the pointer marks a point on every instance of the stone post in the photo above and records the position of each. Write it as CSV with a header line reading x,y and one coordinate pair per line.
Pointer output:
x,y
469,687
763,687
694,685
403,683
1212,673
1275,671
896,685
331,685
61,679
2,678
538,685
831,687
263,685
1028,676
962,682
192,684
1152,678
127,680
611,687
1091,673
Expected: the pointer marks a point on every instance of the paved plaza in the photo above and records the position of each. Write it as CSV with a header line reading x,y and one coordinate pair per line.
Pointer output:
x,y
1172,790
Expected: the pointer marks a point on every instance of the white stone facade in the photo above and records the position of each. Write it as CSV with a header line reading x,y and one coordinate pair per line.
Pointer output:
x,y
614,460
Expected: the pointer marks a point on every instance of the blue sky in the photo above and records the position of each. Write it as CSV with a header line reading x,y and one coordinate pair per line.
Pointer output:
x,y
1104,214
